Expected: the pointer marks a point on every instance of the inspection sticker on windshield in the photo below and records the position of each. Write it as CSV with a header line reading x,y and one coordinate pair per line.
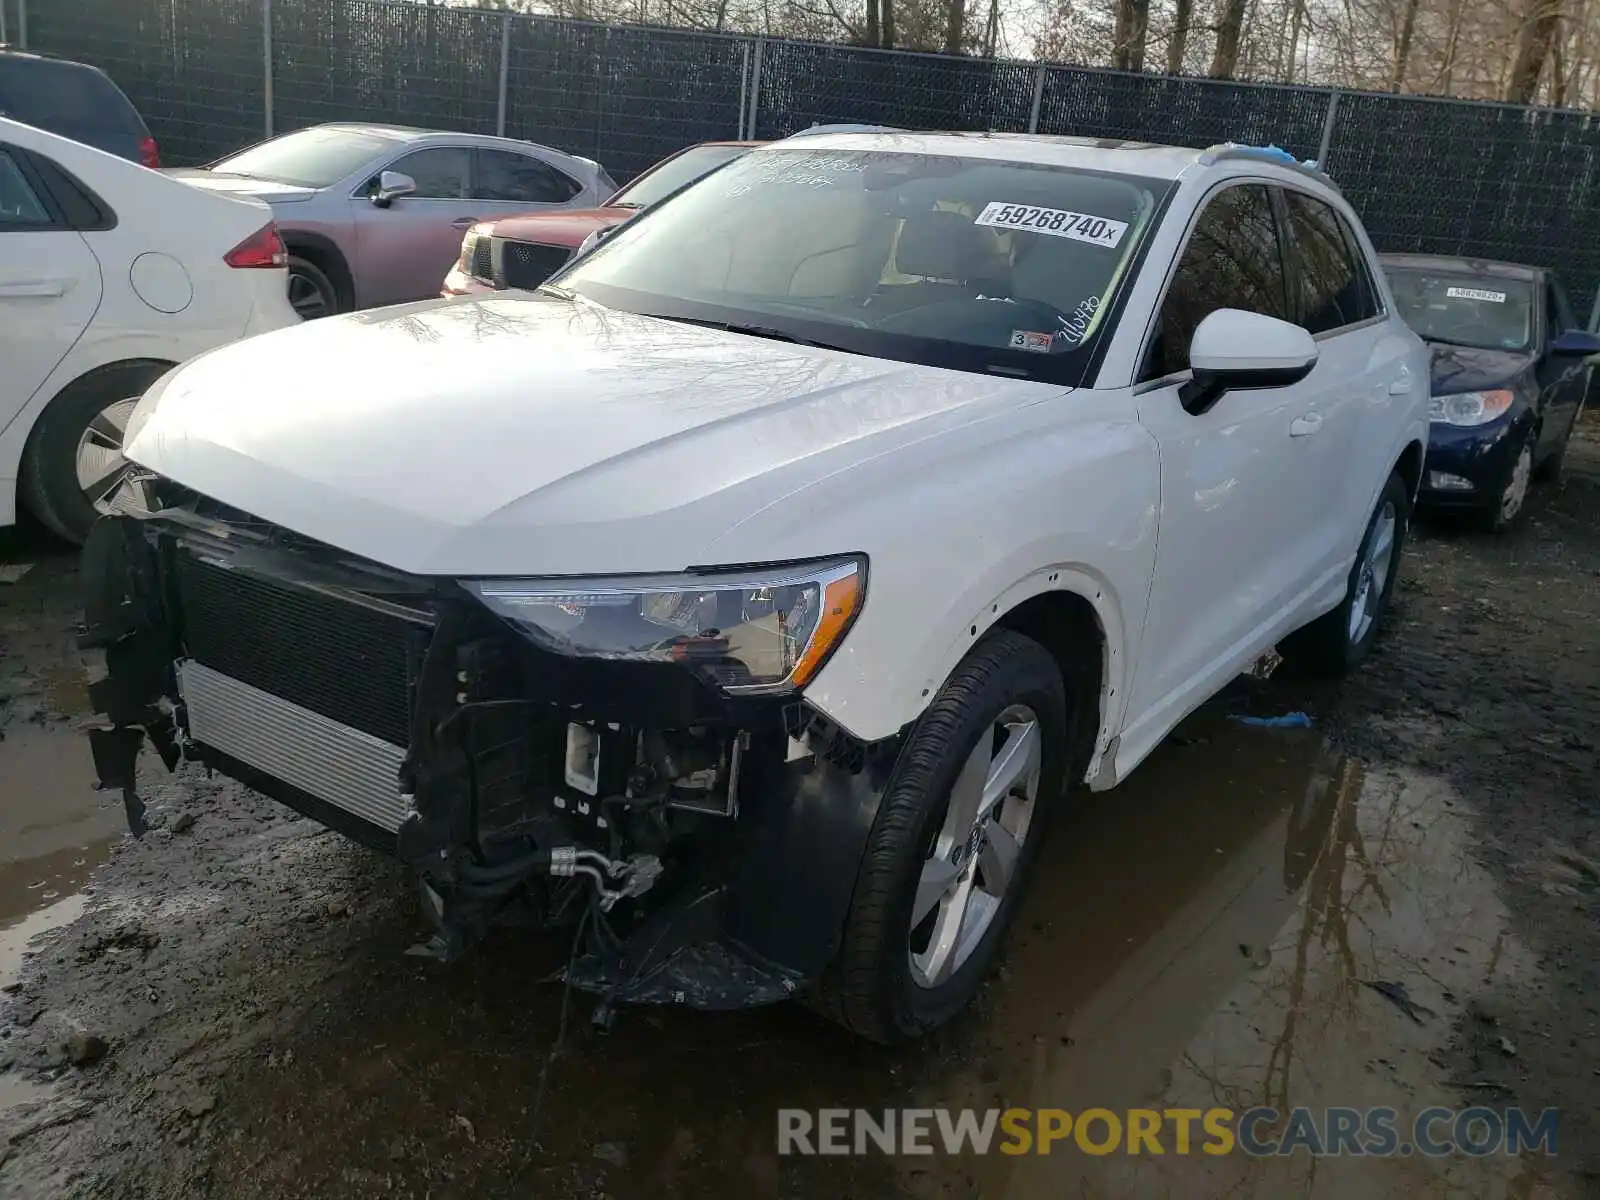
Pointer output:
x,y
1460,293
1033,343
1057,222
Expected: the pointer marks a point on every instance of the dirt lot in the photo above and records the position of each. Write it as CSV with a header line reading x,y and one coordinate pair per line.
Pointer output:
x,y
223,1009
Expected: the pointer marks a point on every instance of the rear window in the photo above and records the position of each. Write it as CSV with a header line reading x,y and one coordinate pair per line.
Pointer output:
x,y
59,96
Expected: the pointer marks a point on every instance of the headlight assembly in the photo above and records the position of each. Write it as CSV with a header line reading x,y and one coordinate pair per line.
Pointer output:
x,y
765,629
1470,408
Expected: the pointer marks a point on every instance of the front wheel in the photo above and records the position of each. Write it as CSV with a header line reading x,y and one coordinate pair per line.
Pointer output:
x,y
311,293
1338,642
953,842
1503,512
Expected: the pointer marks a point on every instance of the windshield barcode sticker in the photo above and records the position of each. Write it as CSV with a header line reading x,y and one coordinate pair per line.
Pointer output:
x,y
1057,222
1461,293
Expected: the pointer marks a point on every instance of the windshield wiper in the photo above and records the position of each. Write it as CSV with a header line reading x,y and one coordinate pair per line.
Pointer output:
x,y
560,293
760,331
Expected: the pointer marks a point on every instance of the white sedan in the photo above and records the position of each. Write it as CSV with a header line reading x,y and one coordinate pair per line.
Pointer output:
x,y
110,275
767,578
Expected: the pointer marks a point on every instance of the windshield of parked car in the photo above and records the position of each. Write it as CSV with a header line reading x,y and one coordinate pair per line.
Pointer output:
x,y
676,172
1481,311
314,158
968,263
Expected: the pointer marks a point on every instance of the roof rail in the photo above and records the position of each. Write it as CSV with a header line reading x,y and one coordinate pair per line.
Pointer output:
x,y
1277,154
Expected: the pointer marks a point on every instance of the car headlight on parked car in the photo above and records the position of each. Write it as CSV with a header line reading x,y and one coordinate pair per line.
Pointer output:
x,y
1470,408
475,259
762,629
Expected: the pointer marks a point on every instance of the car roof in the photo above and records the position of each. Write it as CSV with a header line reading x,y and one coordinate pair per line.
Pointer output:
x,y
1487,267
9,54
1114,154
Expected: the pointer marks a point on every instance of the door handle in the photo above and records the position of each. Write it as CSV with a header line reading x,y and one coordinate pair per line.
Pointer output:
x,y
34,288
1305,426
463,222
1401,386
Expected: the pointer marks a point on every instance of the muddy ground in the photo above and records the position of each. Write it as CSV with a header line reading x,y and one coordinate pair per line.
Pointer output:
x,y
224,1009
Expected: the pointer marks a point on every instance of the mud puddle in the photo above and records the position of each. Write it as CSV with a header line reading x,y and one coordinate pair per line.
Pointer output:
x,y
1204,936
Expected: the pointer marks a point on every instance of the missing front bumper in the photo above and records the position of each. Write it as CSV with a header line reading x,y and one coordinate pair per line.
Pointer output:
x,y
397,712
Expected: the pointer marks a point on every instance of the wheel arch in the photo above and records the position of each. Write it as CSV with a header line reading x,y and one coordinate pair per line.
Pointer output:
x,y
19,450
323,253
1409,465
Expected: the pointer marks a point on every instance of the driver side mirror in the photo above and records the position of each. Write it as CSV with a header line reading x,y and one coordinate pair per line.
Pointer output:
x,y
1576,343
391,186
1233,350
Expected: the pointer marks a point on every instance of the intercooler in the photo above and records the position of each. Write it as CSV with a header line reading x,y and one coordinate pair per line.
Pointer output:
x,y
312,686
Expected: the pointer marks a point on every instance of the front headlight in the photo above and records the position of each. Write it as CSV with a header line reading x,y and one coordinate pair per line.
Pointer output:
x,y
1470,408
765,629
475,253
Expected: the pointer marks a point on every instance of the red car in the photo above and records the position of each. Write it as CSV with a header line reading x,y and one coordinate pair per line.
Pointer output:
x,y
523,251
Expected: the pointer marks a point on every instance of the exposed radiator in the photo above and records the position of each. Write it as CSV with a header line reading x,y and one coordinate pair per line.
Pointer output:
x,y
343,766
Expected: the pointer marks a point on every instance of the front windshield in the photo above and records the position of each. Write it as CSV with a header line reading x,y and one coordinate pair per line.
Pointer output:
x,y
968,263
675,173
315,158
1480,311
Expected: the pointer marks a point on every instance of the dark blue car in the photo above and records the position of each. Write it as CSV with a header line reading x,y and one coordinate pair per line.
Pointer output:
x,y
76,101
1510,368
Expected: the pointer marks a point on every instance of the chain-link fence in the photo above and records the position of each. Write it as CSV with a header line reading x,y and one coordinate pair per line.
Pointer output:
x,y
211,75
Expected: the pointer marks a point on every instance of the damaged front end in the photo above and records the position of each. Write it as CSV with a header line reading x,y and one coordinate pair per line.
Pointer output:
x,y
705,828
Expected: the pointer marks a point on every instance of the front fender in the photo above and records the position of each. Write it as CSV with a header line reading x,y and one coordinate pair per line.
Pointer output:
x,y
1066,500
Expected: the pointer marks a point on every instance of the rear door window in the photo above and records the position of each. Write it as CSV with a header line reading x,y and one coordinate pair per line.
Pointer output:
x,y
21,207
520,179
1334,289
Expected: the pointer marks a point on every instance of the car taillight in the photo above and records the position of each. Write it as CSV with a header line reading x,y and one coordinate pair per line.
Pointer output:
x,y
263,248
149,155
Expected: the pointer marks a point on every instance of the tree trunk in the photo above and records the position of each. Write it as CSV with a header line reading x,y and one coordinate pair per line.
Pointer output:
x,y
1533,47
1178,45
872,23
991,32
1294,38
1402,46
1447,69
1230,24
887,7
1132,19
955,25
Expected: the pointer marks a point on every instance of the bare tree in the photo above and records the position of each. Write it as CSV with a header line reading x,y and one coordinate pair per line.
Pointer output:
x,y
1533,48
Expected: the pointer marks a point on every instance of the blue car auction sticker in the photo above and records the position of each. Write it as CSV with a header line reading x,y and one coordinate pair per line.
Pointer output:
x,y
1057,222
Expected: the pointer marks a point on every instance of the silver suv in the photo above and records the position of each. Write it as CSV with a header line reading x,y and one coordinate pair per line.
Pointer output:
x,y
373,214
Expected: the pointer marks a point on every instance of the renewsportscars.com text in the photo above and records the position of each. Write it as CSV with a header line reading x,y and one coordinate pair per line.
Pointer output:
x,y
1377,1132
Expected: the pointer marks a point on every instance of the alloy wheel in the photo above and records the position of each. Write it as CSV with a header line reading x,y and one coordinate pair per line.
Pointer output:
x,y
1516,493
308,298
100,465
1377,560
975,856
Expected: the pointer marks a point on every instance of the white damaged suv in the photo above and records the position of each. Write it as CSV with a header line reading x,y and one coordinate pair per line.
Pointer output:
x,y
752,593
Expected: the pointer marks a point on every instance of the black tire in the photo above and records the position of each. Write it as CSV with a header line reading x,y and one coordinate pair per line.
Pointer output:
x,y
50,487
1329,646
869,988
312,293
1495,517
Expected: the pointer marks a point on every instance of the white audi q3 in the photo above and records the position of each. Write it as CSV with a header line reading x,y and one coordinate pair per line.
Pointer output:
x,y
753,593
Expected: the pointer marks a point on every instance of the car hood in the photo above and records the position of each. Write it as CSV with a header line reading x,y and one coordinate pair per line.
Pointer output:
x,y
560,228
241,185
1470,369
527,435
